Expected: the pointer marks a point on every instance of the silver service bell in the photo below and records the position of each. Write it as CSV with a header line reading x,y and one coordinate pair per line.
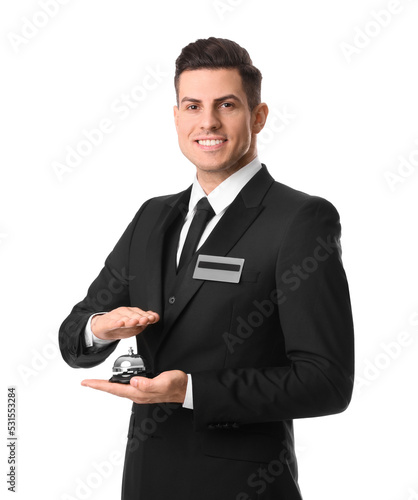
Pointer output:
x,y
128,366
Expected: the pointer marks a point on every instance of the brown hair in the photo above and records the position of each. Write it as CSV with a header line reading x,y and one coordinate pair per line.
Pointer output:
x,y
217,53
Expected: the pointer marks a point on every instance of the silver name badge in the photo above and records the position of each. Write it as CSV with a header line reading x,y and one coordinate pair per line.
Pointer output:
x,y
214,268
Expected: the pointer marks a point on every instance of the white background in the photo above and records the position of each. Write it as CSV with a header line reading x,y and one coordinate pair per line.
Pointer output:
x,y
352,118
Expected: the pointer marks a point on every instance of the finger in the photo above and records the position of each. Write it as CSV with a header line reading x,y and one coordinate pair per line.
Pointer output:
x,y
133,320
152,316
156,385
130,321
121,390
143,384
130,316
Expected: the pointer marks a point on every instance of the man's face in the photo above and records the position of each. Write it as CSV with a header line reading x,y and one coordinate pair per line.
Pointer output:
x,y
215,127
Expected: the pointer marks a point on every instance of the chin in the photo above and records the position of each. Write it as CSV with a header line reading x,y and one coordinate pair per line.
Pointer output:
x,y
211,167
214,163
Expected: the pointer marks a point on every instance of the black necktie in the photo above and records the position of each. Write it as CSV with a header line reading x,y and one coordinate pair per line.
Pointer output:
x,y
204,212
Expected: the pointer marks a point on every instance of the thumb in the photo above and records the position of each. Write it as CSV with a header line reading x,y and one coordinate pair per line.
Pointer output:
x,y
142,383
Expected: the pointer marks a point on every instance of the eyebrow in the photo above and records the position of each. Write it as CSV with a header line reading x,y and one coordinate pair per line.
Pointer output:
x,y
218,99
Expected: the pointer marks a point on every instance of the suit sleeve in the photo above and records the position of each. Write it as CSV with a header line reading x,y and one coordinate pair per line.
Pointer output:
x,y
316,321
107,292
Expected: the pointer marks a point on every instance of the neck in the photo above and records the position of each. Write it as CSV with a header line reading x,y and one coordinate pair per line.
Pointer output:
x,y
210,179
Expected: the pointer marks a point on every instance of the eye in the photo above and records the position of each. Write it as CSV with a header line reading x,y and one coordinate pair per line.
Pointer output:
x,y
227,105
192,107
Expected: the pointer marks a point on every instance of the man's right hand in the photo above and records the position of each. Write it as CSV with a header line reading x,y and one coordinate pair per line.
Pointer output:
x,y
122,323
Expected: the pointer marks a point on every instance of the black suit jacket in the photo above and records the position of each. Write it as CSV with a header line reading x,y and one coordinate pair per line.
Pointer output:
x,y
276,346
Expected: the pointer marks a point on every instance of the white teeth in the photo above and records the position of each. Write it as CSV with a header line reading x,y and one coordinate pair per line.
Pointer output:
x,y
210,142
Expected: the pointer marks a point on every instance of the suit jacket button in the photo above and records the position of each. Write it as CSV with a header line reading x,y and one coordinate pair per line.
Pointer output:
x,y
171,300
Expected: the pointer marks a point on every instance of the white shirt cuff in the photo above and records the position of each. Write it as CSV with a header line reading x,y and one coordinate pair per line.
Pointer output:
x,y
188,399
90,338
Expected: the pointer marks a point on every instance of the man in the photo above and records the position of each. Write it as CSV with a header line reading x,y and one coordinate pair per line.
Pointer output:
x,y
242,335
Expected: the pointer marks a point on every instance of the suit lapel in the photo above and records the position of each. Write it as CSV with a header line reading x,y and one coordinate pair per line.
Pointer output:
x,y
239,216
175,206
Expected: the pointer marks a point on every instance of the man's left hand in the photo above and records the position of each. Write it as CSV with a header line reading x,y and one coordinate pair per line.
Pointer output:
x,y
167,387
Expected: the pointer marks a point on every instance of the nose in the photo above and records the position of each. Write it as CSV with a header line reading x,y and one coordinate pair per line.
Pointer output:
x,y
210,120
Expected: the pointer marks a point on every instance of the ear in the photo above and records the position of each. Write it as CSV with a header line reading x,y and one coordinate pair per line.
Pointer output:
x,y
176,116
259,117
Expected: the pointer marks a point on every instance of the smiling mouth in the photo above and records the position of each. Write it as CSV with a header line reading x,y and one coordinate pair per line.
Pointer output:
x,y
211,142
